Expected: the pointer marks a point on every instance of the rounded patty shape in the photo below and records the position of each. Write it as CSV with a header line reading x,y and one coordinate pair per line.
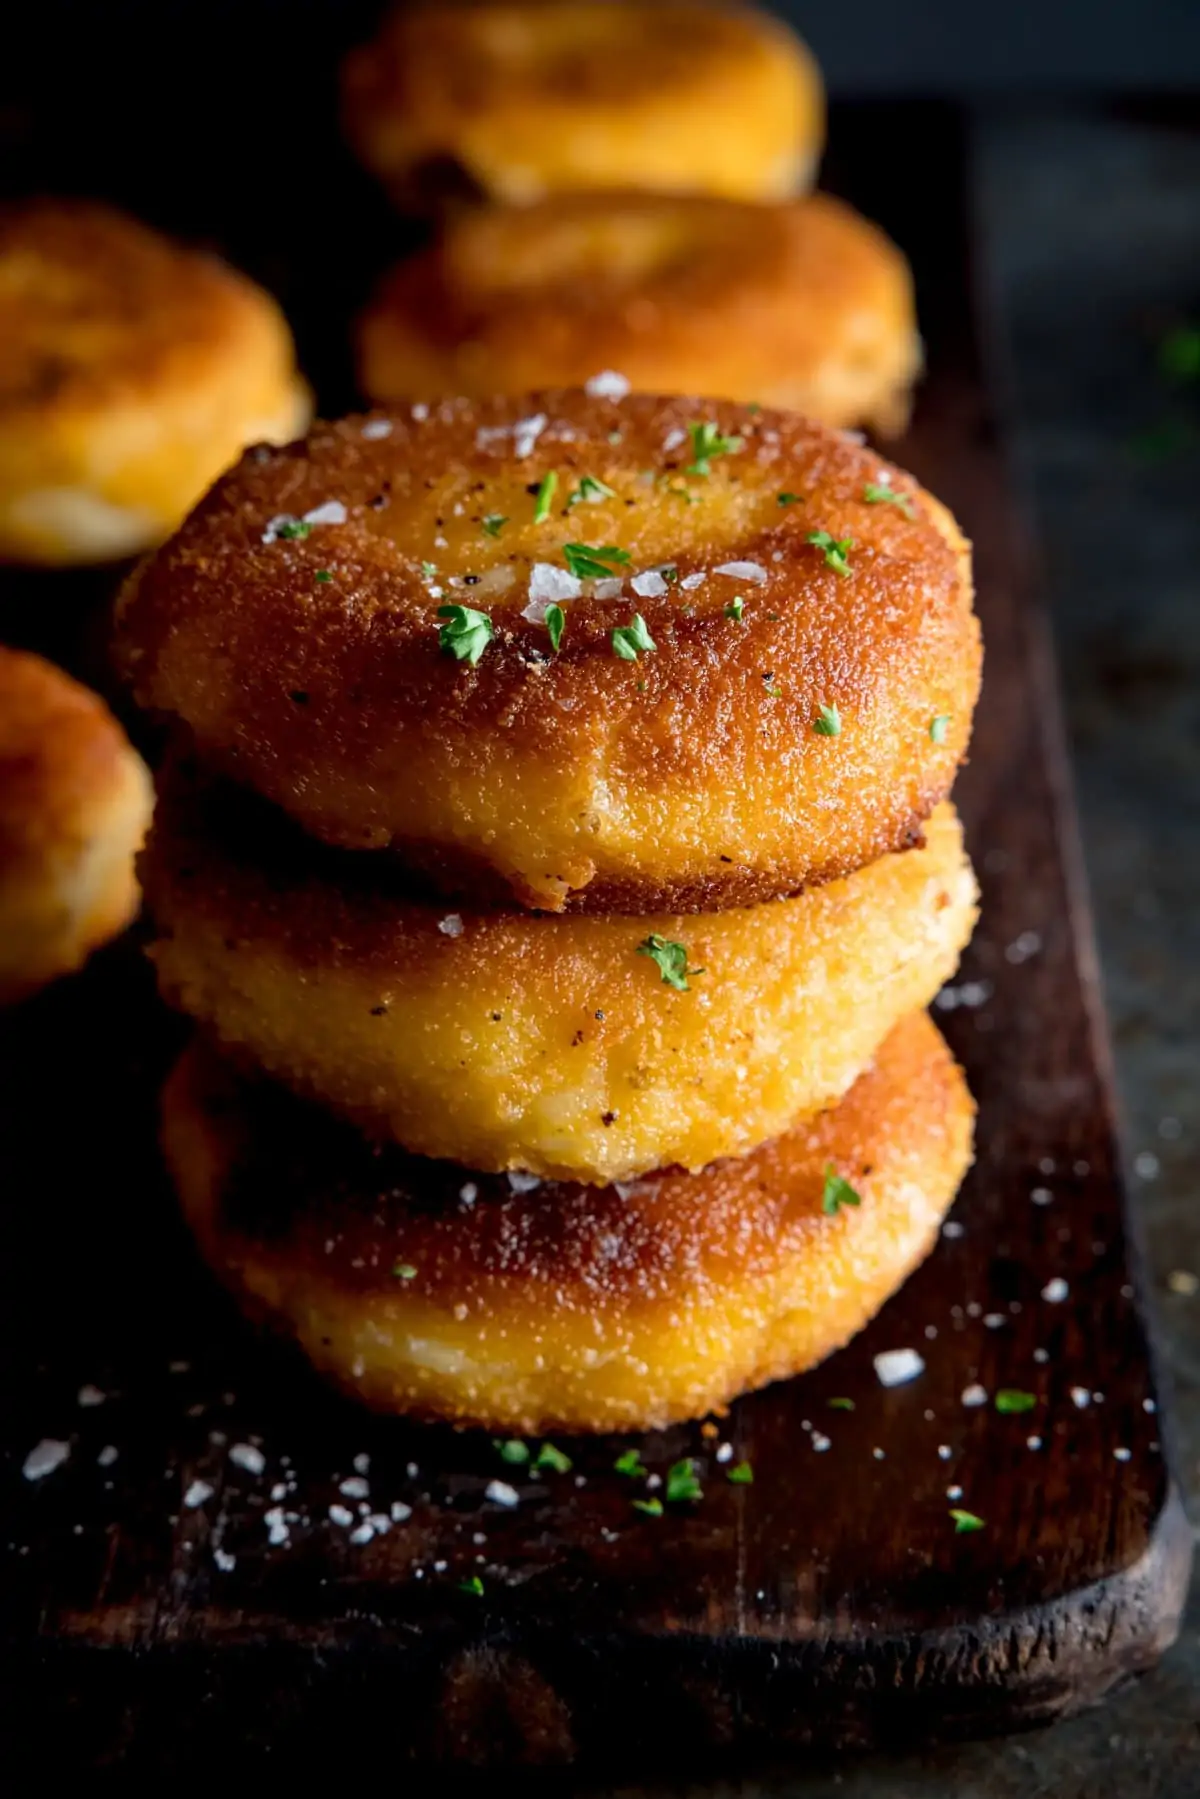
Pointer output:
x,y
75,800
517,101
132,371
580,1047
421,1288
802,305
766,660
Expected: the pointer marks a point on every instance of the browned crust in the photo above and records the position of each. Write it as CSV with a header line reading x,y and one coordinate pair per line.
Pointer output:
x,y
803,305
74,802
519,99
291,1209
691,776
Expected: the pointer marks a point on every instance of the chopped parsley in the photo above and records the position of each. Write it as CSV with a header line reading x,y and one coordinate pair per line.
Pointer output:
x,y
512,1451
828,722
964,1521
836,1193
630,1464
629,640
682,1484
322,575
651,1507
670,959
549,1456
707,442
938,727
836,549
1178,355
789,499
589,491
545,497
735,608
1012,1399
494,523
556,620
741,1475
466,633
293,527
594,561
878,493
840,1405
403,1271
472,1585
429,570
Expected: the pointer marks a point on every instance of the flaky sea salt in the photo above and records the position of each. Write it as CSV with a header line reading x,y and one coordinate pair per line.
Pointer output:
x,y
44,1458
607,385
107,1456
649,585
1056,1290
526,433
691,582
520,1182
743,571
895,1366
974,1395
451,925
354,1487
248,1457
88,1395
377,428
500,1493
197,1493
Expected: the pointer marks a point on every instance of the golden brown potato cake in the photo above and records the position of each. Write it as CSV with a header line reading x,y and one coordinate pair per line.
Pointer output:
x,y
75,800
132,371
521,100
802,305
579,1047
419,1287
766,672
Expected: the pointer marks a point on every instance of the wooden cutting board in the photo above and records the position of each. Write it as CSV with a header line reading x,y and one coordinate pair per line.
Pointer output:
x,y
832,1602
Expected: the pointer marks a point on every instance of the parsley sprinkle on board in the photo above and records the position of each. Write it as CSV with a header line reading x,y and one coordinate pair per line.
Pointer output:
x,y
964,1521
1012,1399
465,634
429,570
670,959
631,1465
293,528
472,1585
549,1456
708,442
682,1485
494,523
828,722
594,561
651,1507
741,1475
556,620
403,1271
322,575
840,1405
938,727
877,493
545,497
789,499
590,491
628,641
512,1451
736,608
837,1193
836,549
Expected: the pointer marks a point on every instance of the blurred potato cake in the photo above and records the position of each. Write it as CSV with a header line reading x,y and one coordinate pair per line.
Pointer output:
x,y
132,371
420,1288
520,100
585,1048
802,305
624,654
75,800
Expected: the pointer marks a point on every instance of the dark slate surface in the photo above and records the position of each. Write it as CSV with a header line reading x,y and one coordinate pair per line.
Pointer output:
x,y
1091,230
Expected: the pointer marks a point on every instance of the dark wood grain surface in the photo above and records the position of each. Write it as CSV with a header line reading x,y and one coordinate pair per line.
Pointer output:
x,y
831,1602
